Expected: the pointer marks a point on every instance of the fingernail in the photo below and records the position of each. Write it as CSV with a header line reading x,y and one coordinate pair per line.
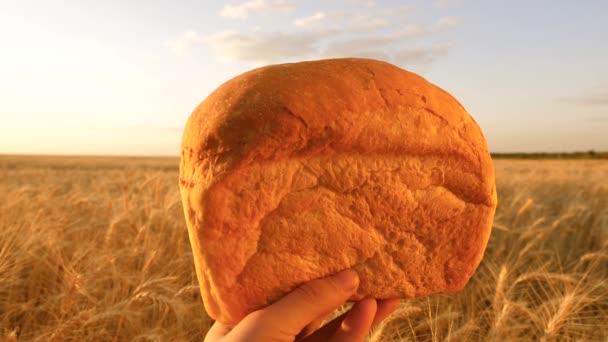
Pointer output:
x,y
347,280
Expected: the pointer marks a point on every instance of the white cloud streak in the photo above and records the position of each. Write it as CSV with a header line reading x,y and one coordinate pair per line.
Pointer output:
x,y
251,7
443,4
446,23
382,33
372,19
311,21
422,55
263,48
368,3
391,45
594,97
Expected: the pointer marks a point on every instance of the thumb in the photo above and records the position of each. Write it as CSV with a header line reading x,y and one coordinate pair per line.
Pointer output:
x,y
311,300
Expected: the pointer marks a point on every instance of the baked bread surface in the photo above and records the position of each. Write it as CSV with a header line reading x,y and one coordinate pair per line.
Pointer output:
x,y
295,171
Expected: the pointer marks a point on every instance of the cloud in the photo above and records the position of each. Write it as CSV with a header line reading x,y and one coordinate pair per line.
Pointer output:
x,y
446,23
248,8
357,47
349,21
311,21
443,4
598,119
395,19
422,55
399,12
386,33
595,97
181,45
391,44
262,48
369,3
409,31
365,22
383,48
385,42
327,41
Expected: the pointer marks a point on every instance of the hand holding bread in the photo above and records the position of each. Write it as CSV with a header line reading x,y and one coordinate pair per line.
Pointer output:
x,y
298,315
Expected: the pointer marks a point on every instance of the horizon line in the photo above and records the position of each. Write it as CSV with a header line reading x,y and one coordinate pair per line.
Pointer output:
x,y
79,155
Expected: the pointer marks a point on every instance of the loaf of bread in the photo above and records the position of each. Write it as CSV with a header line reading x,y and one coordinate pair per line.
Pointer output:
x,y
296,171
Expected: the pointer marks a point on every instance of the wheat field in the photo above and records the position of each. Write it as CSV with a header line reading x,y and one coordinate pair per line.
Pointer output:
x,y
97,249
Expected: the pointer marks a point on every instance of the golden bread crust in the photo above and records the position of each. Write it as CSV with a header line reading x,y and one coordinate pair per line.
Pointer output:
x,y
294,171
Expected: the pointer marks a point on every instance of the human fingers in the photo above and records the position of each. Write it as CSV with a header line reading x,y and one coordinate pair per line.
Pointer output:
x,y
328,330
311,300
310,328
357,322
385,308
218,331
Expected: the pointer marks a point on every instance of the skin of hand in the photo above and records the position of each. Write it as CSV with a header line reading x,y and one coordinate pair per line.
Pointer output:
x,y
298,315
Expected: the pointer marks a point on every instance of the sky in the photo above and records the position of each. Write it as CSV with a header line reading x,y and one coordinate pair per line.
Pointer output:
x,y
122,77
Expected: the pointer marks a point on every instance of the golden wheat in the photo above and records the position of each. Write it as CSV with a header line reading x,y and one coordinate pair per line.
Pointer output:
x,y
96,249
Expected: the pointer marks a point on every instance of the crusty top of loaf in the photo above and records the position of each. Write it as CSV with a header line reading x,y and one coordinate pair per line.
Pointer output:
x,y
344,105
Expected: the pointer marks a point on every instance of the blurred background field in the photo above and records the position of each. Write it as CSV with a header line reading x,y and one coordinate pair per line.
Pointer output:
x,y
97,249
